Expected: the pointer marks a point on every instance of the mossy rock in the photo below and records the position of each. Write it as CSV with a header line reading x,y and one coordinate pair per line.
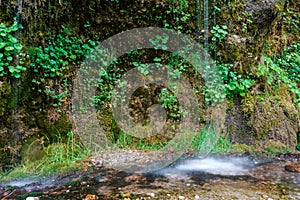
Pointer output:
x,y
9,150
267,120
5,92
52,130
32,150
243,148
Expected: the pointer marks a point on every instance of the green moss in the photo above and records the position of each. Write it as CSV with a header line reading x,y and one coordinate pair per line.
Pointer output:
x,y
243,148
32,150
248,104
275,147
52,130
5,92
32,194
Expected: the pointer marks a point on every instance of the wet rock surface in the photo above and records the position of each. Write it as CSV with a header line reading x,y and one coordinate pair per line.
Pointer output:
x,y
213,177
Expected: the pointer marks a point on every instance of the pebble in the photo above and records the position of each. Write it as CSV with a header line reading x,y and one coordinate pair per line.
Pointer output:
x,y
90,197
197,197
181,197
292,168
151,194
32,198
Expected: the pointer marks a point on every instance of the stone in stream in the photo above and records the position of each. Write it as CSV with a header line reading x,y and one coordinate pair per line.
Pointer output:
x,y
292,167
32,198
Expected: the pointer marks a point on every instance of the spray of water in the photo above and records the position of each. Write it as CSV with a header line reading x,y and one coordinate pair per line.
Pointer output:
x,y
220,166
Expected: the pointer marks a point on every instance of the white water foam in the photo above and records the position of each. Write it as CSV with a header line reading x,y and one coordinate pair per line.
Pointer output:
x,y
221,166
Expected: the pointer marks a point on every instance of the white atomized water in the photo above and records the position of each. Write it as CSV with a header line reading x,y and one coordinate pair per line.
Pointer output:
x,y
220,166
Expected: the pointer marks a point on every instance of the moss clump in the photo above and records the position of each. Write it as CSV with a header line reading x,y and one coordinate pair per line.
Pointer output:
x,y
52,126
32,150
5,91
275,147
243,148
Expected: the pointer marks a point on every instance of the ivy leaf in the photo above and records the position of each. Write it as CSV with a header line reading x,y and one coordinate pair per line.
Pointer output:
x,y
9,48
2,44
11,69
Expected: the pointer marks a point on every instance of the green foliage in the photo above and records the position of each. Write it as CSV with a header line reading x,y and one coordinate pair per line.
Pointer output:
x,y
106,82
289,60
246,19
51,62
62,51
283,69
203,142
298,141
10,48
272,72
30,194
160,42
127,141
59,157
214,89
170,103
290,21
178,11
66,152
142,68
219,33
235,84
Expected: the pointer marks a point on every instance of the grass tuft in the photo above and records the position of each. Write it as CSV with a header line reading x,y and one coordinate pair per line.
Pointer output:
x,y
59,157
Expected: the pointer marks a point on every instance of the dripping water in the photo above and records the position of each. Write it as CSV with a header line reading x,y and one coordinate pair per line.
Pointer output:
x,y
206,13
198,6
215,22
15,82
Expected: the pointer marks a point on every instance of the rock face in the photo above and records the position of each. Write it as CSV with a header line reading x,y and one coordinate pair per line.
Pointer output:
x,y
262,11
24,113
267,123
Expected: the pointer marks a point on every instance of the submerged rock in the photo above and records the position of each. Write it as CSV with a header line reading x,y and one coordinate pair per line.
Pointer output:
x,y
32,198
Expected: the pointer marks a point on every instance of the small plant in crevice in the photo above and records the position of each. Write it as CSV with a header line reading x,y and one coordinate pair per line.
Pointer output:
x,y
235,84
219,33
170,103
290,21
247,20
159,42
178,11
10,49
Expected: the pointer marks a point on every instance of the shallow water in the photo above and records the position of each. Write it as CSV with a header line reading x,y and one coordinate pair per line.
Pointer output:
x,y
234,177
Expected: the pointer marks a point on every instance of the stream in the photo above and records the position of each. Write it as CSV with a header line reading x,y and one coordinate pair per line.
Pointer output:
x,y
192,177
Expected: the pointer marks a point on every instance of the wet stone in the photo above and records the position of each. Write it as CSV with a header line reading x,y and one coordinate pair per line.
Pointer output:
x,y
293,167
